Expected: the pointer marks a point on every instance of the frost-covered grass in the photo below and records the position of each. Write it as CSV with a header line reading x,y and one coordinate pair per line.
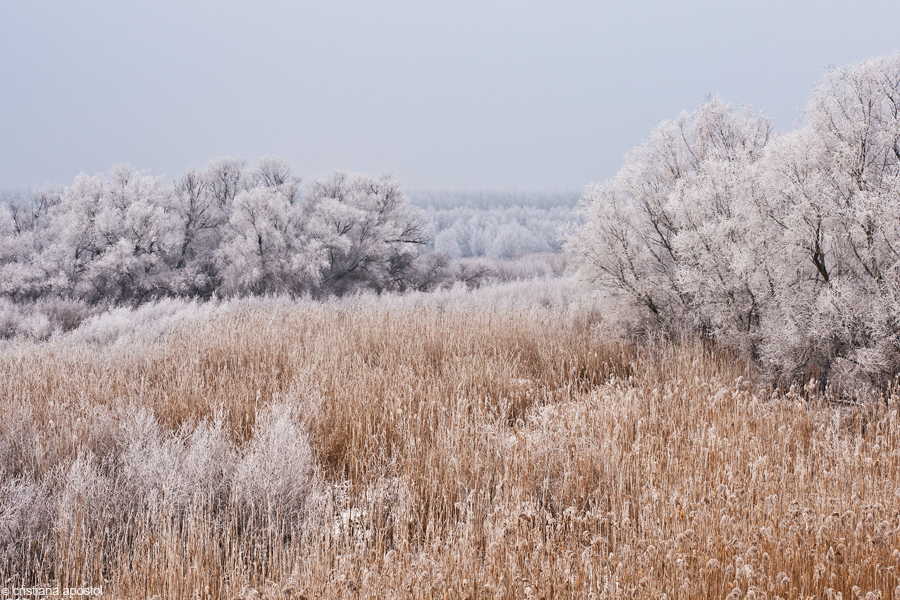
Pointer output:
x,y
492,443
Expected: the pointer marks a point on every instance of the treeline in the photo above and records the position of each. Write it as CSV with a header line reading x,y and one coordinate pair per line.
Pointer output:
x,y
228,230
786,247
501,232
497,225
488,200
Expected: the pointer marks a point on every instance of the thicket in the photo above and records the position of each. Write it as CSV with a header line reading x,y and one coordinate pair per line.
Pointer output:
x,y
783,246
228,230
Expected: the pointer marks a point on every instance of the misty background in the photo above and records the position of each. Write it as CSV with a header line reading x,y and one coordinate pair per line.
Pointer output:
x,y
525,96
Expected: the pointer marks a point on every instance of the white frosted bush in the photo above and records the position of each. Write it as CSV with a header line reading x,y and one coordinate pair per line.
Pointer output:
x,y
275,473
151,461
148,321
25,518
175,470
22,320
199,466
90,501
208,461
21,450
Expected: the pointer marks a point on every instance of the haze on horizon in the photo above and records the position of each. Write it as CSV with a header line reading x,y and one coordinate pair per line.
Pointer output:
x,y
465,95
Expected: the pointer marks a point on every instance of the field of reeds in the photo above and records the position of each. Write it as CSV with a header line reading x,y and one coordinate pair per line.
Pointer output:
x,y
496,443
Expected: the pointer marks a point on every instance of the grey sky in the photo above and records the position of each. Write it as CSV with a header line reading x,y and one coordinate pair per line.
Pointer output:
x,y
447,95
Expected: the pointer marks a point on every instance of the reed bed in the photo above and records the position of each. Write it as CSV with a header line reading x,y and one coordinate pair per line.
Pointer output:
x,y
487,444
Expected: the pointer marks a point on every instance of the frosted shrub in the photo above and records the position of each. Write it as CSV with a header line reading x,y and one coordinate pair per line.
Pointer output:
x,y
275,473
152,460
63,315
175,470
39,320
148,321
35,326
21,451
531,266
208,462
25,520
90,501
22,321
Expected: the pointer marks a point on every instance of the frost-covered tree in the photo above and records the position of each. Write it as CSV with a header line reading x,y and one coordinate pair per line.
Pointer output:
x,y
721,268
783,246
833,192
661,235
201,220
371,235
503,233
123,237
109,239
193,203
76,241
24,226
273,172
226,178
9,236
265,247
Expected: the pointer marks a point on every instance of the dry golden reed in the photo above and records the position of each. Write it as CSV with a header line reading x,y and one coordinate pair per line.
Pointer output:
x,y
456,450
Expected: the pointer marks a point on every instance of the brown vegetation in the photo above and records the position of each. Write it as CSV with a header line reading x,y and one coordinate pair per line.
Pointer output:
x,y
456,450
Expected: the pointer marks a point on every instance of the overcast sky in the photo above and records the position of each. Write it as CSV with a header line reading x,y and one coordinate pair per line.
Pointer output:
x,y
460,95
